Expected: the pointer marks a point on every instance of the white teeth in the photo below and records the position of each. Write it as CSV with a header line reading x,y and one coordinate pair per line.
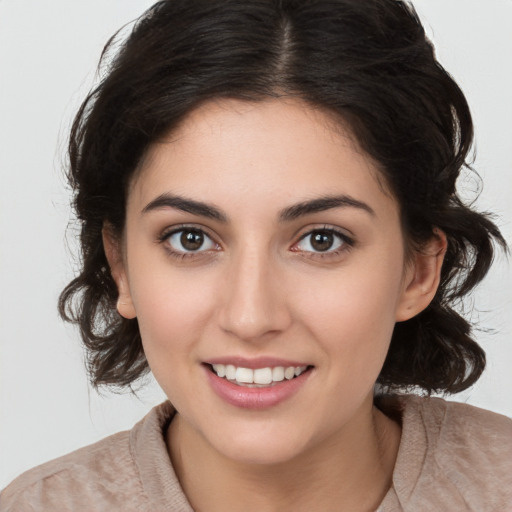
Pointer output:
x,y
289,373
230,372
220,369
278,374
259,376
245,375
262,376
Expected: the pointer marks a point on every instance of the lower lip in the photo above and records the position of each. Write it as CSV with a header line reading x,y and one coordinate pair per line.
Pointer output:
x,y
255,398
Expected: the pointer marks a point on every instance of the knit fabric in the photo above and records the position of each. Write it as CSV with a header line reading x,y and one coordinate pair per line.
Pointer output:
x,y
452,457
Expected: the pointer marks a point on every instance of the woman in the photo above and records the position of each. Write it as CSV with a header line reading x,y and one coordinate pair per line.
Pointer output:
x,y
270,224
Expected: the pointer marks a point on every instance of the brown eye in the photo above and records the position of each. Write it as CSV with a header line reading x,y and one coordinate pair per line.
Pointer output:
x,y
190,240
322,241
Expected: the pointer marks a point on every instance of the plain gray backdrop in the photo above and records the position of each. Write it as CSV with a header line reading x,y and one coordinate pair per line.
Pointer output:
x,y
48,55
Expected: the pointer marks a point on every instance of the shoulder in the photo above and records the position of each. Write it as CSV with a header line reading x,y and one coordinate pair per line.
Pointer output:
x,y
455,454
103,476
460,420
84,476
484,436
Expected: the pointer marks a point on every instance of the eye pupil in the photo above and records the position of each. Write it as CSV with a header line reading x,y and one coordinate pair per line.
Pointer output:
x,y
192,240
322,241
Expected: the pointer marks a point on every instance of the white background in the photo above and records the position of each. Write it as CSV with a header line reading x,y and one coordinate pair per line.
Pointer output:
x,y
48,55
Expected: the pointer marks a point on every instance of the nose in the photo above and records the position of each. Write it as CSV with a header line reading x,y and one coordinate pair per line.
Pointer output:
x,y
254,304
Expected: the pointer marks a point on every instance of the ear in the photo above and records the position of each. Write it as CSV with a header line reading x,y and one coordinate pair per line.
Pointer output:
x,y
114,253
422,277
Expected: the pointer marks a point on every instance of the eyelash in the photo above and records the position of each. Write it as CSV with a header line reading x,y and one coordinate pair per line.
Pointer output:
x,y
181,255
347,243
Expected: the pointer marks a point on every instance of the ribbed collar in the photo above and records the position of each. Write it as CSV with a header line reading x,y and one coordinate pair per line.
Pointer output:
x,y
149,451
147,444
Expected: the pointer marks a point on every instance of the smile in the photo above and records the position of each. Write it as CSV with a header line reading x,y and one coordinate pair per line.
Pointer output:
x,y
258,377
267,384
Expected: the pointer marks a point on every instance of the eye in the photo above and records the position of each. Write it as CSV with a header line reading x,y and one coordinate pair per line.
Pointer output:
x,y
189,240
323,241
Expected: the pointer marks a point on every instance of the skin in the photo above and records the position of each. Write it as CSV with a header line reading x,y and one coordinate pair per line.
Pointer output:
x,y
257,287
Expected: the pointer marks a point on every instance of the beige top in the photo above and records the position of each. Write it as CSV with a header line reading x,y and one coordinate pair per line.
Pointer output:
x,y
452,457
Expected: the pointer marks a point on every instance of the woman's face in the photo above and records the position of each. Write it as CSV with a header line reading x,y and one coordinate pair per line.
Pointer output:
x,y
258,238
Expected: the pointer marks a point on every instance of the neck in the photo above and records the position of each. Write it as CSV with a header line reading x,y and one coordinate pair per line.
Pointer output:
x,y
351,470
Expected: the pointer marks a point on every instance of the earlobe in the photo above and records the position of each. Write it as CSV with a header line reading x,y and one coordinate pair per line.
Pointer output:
x,y
422,277
114,254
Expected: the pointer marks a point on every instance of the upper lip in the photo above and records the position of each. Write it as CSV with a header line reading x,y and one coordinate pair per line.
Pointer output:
x,y
254,363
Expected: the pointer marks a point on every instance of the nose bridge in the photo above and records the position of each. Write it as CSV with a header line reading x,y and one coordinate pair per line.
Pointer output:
x,y
253,303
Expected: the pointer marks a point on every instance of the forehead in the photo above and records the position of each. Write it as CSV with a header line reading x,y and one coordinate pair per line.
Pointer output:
x,y
236,151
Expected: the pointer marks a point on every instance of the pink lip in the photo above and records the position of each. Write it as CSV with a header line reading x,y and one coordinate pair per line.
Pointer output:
x,y
258,362
256,398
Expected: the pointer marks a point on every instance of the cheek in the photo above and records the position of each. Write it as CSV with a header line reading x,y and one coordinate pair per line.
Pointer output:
x,y
352,312
172,310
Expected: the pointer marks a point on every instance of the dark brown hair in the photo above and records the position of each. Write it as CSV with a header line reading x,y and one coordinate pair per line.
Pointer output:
x,y
366,61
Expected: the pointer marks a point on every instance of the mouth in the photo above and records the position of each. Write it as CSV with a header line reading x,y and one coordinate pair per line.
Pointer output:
x,y
258,383
257,377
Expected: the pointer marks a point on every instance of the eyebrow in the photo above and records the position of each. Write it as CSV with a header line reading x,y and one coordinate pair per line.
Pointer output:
x,y
185,205
322,204
288,214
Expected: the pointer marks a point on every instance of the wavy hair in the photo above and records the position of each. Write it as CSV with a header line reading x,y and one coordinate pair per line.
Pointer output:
x,y
369,63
